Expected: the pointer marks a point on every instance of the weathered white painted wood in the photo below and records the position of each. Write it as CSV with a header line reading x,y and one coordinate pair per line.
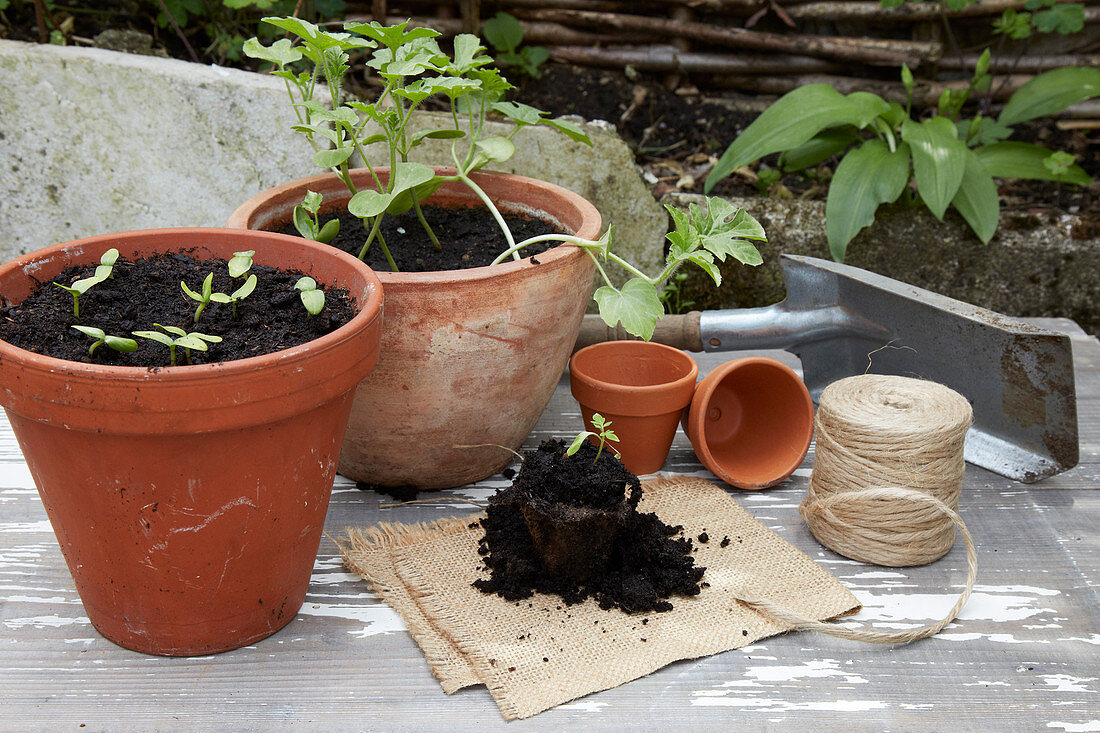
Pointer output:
x,y
1025,654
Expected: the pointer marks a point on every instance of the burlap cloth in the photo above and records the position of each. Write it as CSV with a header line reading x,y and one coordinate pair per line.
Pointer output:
x,y
538,653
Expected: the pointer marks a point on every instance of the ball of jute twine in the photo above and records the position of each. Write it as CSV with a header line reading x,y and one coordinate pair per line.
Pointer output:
x,y
885,487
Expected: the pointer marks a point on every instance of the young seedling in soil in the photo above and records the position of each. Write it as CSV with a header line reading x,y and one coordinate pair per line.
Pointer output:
x,y
187,341
603,434
203,298
102,271
237,295
118,343
240,263
308,222
313,298
570,526
413,69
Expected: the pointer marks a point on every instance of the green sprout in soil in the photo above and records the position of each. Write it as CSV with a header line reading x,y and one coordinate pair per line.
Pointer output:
x,y
236,296
117,343
240,263
308,222
203,298
103,271
187,341
313,298
602,432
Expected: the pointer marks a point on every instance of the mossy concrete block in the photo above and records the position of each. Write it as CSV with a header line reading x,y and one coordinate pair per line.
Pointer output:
x,y
1033,266
604,173
96,141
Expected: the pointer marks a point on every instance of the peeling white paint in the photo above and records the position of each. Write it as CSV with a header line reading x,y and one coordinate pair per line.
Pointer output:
x,y
587,706
772,705
14,527
42,622
16,476
379,617
1091,639
1089,727
1068,683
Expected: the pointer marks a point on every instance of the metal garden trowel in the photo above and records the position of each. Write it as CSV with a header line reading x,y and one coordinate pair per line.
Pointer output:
x,y
841,321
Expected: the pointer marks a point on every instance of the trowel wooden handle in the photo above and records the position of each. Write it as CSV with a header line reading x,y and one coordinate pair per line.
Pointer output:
x,y
681,332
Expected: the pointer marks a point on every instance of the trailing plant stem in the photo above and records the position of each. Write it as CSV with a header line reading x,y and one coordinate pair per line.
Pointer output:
x,y
496,215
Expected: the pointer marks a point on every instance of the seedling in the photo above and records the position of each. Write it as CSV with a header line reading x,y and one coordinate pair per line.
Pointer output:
x,y
187,341
102,271
313,298
237,295
505,33
240,263
603,433
308,222
117,343
202,298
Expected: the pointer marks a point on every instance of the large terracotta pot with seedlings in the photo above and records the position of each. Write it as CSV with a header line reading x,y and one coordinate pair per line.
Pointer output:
x,y
470,356
189,500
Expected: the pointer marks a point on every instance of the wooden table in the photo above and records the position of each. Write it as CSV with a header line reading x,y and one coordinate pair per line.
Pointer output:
x,y
1024,655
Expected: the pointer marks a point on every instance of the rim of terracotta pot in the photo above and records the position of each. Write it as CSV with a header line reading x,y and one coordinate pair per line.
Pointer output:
x,y
573,213
694,421
225,381
594,389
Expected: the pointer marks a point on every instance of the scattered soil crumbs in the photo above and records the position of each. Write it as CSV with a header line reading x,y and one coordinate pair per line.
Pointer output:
x,y
470,237
147,291
398,493
647,563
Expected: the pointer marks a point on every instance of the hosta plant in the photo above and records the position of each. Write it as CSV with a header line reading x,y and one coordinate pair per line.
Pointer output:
x,y
952,161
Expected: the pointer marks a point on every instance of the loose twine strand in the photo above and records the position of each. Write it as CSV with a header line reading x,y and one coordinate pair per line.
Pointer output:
x,y
885,487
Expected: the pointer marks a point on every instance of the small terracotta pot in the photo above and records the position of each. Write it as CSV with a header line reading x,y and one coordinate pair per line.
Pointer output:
x,y
468,357
750,422
189,501
642,388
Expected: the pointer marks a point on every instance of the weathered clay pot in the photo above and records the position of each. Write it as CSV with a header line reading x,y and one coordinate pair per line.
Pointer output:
x,y
468,357
751,422
642,388
189,501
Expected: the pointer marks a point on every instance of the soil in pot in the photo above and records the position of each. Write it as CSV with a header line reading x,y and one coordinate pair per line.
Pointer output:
x,y
147,291
470,237
635,562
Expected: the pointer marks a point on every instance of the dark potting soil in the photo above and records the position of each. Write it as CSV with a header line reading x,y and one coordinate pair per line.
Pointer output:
x,y
147,291
648,563
470,237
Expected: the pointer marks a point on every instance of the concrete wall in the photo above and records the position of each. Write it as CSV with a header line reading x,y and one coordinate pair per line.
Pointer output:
x,y
95,141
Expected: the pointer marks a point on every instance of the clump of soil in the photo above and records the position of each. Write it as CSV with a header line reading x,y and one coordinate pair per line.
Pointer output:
x,y
147,291
470,237
645,565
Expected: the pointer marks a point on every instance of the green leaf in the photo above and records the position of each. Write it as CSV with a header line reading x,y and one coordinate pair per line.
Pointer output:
x,y
204,337
505,33
328,231
570,129
207,285
110,257
791,121
305,283
1050,93
819,148
868,176
722,231
191,341
190,293
155,336
869,107
497,149
467,50
118,343
245,290
578,442
907,80
172,329
303,223
96,333
522,114
977,199
441,134
313,300
280,53
241,262
1023,160
1064,18
317,38
705,260
391,36
332,158
404,176
368,203
939,159
636,306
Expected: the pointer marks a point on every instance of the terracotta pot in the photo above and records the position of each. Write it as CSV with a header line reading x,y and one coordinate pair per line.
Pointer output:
x,y
750,422
189,501
469,356
642,388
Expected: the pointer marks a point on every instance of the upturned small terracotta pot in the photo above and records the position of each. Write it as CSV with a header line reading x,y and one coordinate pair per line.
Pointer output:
x,y
468,357
642,388
189,501
750,422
